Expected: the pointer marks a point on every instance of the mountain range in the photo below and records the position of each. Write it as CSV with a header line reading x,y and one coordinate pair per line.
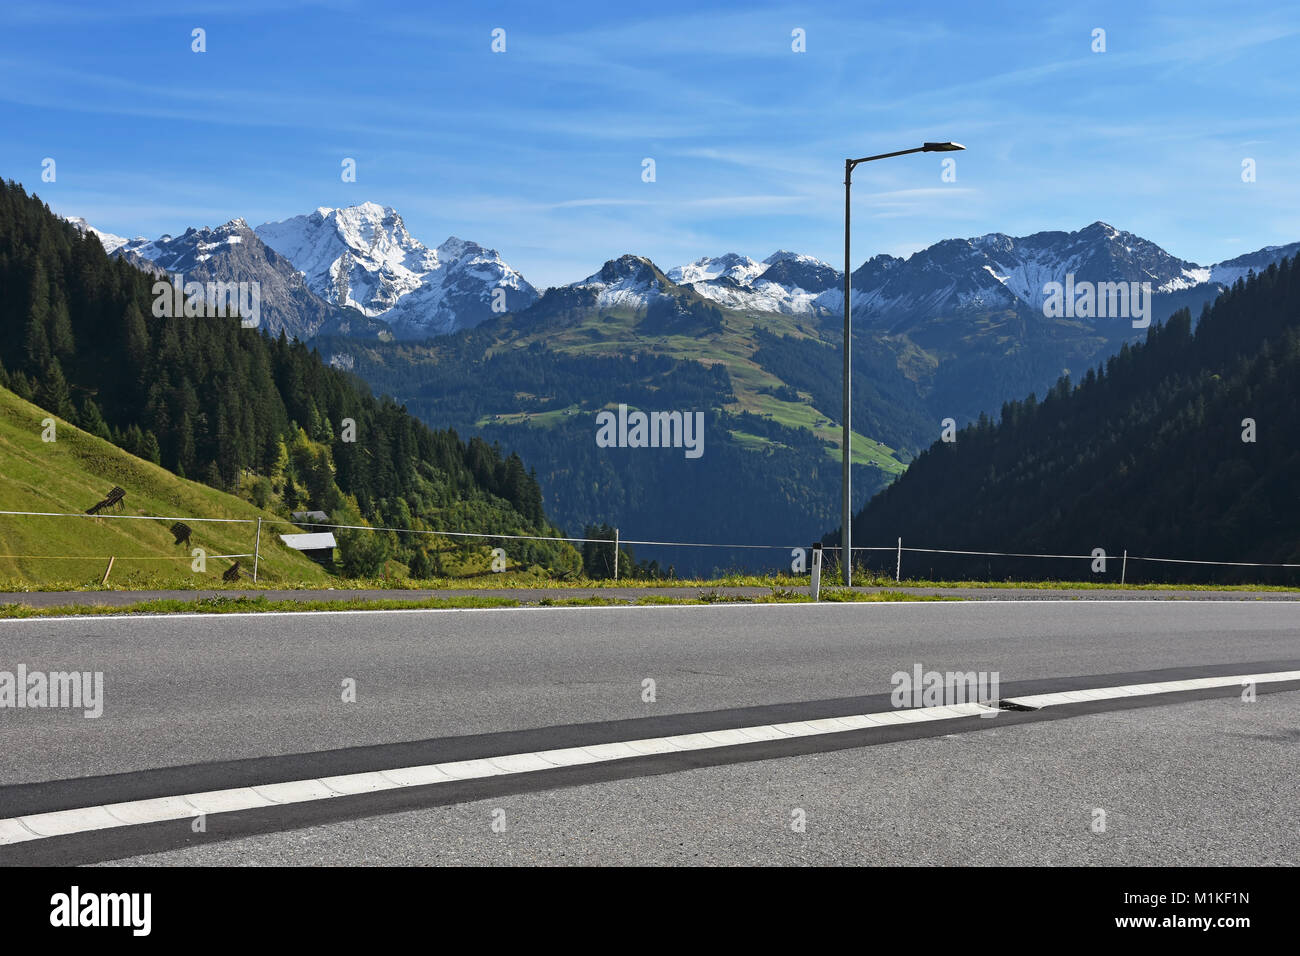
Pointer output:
x,y
360,266
955,276
354,271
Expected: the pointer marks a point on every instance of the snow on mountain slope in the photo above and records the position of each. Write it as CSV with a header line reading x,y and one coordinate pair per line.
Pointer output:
x,y
627,282
1230,270
784,282
233,253
1097,253
986,273
364,257
737,268
191,249
800,272
117,245
361,256
110,242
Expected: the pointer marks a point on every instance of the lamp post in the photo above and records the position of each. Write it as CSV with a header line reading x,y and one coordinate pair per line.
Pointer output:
x,y
846,516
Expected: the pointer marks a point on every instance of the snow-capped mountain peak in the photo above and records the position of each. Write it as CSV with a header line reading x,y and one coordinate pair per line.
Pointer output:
x,y
626,269
454,248
363,256
733,266
785,255
783,282
110,242
628,281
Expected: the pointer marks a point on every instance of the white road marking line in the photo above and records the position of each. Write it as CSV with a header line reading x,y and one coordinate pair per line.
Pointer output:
x,y
610,751
1037,701
70,821
297,791
523,763
145,811
572,757
13,831
354,783
38,826
648,748
419,776
221,801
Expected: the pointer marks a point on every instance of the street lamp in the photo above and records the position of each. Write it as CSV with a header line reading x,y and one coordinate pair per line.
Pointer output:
x,y
846,516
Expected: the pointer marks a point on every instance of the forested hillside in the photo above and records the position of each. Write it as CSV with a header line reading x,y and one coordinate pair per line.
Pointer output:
x,y
234,408
768,473
1183,447
769,383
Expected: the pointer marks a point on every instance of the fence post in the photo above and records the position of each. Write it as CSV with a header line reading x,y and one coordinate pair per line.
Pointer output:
x,y
815,585
898,566
257,549
1123,568
615,554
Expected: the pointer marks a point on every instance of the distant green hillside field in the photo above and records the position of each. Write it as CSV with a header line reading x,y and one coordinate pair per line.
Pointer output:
x,y
77,470
732,343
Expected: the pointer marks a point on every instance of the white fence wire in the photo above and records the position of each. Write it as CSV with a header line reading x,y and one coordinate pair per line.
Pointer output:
x,y
899,548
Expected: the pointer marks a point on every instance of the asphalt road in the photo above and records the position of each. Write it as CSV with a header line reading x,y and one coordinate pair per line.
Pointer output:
x,y
204,695
1210,783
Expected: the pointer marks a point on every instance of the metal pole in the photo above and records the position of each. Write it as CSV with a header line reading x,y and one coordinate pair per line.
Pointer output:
x,y
257,549
898,568
846,451
1123,568
615,554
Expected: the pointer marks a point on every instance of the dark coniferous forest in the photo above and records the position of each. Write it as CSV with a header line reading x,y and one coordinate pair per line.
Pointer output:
x,y
220,404
1183,446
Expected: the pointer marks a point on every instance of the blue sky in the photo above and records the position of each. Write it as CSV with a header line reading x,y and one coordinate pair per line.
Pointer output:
x,y
538,151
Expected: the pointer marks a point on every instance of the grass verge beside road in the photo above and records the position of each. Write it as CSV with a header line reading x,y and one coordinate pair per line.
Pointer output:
x,y
510,581
241,605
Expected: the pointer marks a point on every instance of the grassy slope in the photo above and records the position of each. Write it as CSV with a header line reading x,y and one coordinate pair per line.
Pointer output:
x,y
76,471
616,332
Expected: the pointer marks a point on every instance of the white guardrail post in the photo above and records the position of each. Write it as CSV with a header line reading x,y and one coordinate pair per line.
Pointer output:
x,y
815,587
257,549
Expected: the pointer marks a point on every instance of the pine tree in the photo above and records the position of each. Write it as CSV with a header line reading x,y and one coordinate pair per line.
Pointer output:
x,y
135,338
150,449
212,477
36,340
21,386
92,420
52,392
62,343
